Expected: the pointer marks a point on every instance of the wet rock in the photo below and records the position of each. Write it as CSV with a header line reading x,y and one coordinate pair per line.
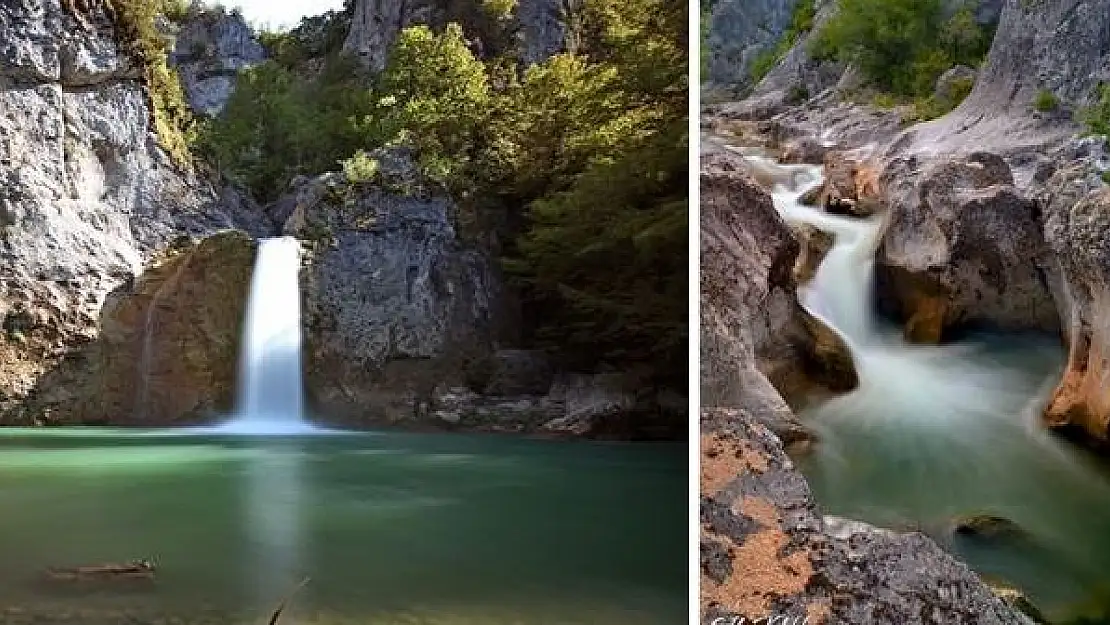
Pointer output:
x,y
816,243
851,188
1018,600
963,248
767,550
757,341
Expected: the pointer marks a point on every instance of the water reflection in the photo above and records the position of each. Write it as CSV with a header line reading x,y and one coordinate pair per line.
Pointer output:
x,y
275,496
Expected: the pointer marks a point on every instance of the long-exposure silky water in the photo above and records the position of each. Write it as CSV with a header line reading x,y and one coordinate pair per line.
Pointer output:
x,y
271,385
938,433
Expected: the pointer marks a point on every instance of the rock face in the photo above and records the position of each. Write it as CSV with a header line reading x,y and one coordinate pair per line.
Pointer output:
x,y
543,29
211,48
739,30
756,337
375,26
394,303
168,345
766,550
86,195
405,324
963,248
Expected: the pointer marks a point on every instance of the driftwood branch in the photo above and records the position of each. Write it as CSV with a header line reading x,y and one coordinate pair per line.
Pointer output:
x,y
285,602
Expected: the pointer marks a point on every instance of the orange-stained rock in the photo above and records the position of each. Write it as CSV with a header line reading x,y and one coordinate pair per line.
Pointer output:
x,y
1077,227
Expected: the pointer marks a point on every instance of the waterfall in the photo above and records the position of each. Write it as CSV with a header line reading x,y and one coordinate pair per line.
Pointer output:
x,y
271,396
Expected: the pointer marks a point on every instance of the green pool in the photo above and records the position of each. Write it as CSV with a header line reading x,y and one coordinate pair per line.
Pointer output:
x,y
388,528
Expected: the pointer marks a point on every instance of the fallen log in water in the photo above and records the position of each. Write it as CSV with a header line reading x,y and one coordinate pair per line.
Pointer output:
x,y
131,570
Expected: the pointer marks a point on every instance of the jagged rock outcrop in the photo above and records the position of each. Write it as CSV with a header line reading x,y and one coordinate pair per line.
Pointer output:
x,y
739,30
963,247
375,25
757,340
543,28
766,550
212,46
797,77
539,26
86,194
168,346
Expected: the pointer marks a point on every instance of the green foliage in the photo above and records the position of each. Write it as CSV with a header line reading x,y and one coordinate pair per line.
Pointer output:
x,y
577,165
277,125
1097,117
1045,101
136,29
360,168
499,9
937,105
901,46
1106,176
442,98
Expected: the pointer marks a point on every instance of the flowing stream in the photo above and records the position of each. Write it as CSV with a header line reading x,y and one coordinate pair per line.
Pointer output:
x,y
933,434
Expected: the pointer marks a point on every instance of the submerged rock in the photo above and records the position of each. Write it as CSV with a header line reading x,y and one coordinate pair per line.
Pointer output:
x,y
988,526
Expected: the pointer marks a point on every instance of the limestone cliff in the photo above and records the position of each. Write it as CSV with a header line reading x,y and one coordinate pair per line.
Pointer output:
x,y
86,195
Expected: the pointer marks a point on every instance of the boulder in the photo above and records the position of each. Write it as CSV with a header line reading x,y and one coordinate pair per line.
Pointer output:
x,y
963,248
815,243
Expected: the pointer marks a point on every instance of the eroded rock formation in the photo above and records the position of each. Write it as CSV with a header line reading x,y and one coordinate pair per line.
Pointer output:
x,y
963,248
757,340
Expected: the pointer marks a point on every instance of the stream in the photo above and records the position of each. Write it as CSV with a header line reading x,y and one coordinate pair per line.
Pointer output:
x,y
936,433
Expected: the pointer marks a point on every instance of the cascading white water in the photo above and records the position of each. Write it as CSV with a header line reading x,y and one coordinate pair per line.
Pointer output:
x,y
270,379
937,432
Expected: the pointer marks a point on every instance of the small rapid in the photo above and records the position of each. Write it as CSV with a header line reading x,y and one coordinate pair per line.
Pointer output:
x,y
936,433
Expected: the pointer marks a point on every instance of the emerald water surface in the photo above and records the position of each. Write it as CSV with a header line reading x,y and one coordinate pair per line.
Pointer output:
x,y
390,528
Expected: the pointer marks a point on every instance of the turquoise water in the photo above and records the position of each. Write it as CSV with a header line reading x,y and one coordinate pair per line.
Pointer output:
x,y
389,528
